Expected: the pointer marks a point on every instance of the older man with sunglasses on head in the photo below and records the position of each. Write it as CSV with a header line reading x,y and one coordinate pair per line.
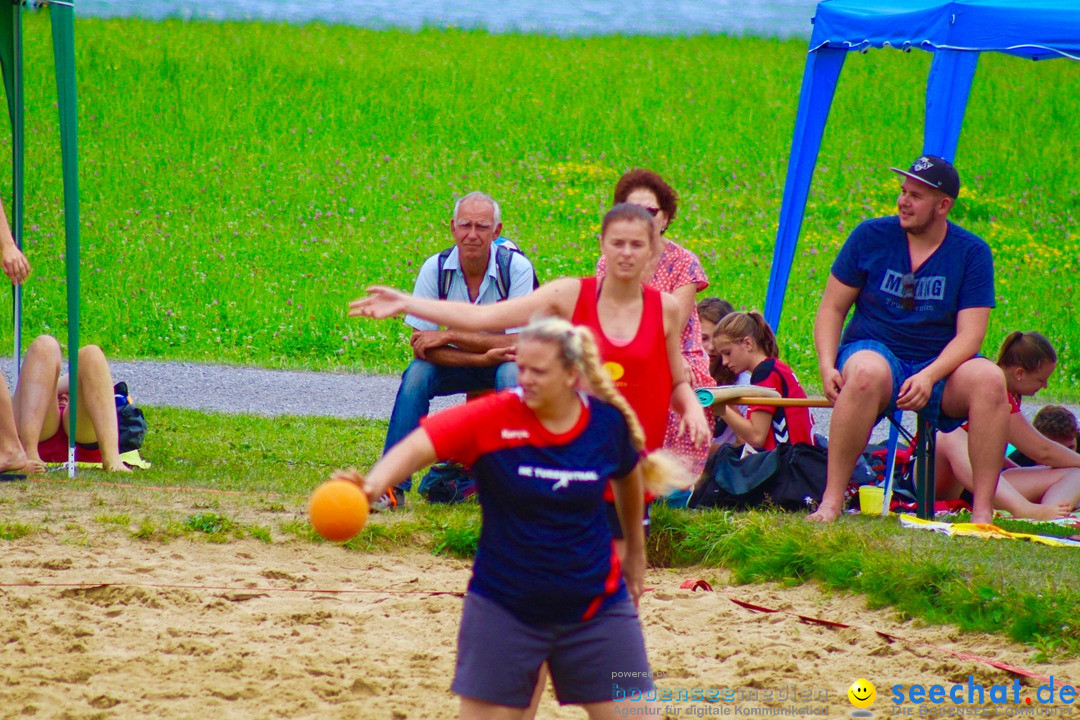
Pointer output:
x,y
922,289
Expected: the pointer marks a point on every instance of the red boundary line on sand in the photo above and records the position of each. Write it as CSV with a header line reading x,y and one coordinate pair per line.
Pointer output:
x,y
167,586
694,584
691,585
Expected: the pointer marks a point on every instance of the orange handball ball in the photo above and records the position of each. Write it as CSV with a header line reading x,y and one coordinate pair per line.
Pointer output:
x,y
338,510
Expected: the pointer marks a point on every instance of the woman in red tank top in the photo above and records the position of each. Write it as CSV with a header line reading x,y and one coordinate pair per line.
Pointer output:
x,y
636,328
639,367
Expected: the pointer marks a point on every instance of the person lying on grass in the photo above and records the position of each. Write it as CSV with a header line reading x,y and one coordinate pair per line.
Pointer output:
x,y
1055,422
546,586
43,417
1047,491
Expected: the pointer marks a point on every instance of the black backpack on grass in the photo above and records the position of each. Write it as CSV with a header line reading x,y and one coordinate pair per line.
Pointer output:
x,y
130,420
791,477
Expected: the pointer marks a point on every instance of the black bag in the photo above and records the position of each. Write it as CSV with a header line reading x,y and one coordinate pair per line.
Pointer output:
x,y
130,420
791,477
447,483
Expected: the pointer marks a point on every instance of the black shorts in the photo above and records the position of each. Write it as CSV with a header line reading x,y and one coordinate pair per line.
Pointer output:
x,y
499,655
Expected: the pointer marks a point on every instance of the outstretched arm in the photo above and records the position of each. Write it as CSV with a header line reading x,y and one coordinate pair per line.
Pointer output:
x,y
683,400
1037,446
411,454
835,304
555,298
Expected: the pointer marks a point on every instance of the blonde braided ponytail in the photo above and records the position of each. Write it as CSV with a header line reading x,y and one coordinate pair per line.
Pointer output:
x,y
662,472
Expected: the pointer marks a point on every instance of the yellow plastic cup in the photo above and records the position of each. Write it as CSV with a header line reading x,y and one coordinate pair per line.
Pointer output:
x,y
871,499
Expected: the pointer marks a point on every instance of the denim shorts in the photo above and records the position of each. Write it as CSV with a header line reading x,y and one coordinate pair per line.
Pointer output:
x,y
901,371
499,656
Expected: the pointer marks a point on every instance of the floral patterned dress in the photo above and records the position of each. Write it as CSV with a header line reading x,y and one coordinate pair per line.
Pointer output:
x,y
675,268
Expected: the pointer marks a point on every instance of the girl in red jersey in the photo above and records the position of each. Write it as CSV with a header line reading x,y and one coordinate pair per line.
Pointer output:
x,y
637,328
546,584
745,343
1047,491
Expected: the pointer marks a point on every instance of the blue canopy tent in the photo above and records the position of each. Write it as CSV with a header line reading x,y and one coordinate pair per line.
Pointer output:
x,y
955,32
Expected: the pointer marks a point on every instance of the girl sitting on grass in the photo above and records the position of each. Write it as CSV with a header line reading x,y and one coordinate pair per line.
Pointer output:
x,y
1046,492
745,343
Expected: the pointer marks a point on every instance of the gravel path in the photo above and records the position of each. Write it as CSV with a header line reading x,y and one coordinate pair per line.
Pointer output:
x,y
226,389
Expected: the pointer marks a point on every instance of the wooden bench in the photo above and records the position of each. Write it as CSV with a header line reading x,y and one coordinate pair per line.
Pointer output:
x,y
925,444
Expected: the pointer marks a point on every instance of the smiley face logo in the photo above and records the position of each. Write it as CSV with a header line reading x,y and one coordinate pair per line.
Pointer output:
x,y
614,370
862,693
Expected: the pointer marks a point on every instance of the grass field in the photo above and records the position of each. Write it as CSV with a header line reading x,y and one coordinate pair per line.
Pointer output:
x,y
235,477
242,182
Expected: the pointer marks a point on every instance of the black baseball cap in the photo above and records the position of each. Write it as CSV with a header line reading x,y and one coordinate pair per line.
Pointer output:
x,y
936,172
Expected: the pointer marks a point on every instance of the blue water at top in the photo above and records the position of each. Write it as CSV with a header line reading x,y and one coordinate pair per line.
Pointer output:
x,y
766,18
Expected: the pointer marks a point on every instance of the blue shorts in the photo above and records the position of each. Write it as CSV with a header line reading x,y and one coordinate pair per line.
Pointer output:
x,y
901,371
499,656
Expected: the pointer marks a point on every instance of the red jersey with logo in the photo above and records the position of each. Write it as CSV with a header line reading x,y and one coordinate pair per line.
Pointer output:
x,y
640,368
789,425
545,551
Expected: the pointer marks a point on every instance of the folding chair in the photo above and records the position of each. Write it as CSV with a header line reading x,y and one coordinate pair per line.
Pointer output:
x,y
925,450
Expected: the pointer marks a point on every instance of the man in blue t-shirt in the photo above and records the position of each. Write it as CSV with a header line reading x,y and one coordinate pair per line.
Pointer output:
x,y
448,362
922,289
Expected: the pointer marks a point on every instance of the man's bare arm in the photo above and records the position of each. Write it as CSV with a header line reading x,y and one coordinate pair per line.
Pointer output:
x,y
835,304
971,325
479,342
452,357
426,342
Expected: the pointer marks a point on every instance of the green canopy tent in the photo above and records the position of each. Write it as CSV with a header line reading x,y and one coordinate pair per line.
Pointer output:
x,y
62,16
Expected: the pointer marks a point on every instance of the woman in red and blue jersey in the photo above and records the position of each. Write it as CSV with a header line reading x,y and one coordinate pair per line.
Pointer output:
x,y
547,585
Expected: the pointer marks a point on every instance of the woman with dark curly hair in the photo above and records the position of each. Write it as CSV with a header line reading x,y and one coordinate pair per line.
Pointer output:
x,y
676,271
